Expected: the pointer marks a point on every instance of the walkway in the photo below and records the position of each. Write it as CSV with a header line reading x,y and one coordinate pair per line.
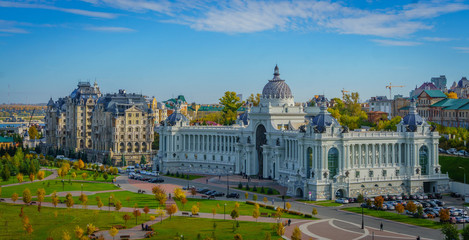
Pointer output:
x,y
50,177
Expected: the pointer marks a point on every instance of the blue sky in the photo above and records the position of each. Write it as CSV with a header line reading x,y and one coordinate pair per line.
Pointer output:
x,y
202,48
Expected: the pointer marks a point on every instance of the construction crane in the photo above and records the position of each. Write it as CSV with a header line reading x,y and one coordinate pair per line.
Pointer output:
x,y
390,86
343,93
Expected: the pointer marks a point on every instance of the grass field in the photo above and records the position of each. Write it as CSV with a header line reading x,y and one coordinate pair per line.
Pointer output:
x,y
46,224
25,178
56,185
326,203
450,165
396,217
259,189
90,176
191,227
191,177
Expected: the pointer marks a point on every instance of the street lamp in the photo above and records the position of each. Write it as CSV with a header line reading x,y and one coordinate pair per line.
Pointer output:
x,y
224,206
285,193
63,185
463,222
227,183
82,189
110,197
363,220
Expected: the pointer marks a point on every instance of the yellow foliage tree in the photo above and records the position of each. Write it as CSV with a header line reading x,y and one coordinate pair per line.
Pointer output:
x,y
452,95
264,200
194,209
19,177
81,164
40,175
66,236
69,200
160,213
40,194
90,229
296,235
78,231
179,194
113,232
171,209
399,208
288,205
31,177
183,202
84,176
214,211
256,213
27,196
118,205
74,175
14,197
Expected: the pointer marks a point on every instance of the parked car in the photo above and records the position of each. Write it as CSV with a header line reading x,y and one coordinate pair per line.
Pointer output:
x,y
233,195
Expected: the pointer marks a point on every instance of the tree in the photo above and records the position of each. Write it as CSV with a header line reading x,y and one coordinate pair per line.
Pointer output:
x,y
33,133
348,111
279,212
113,232
146,210
90,229
126,218
254,99
143,160
183,202
19,177
83,199
99,202
452,95
78,231
5,172
171,209
214,211
450,232
314,212
40,194
465,233
234,214
267,236
27,196
14,197
66,236
160,213
40,175
411,207
194,209
420,210
254,197
81,164
360,198
256,213
231,103
246,195
238,236
55,201
105,176
179,194
444,215
118,205
279,229
296,235
137,214
84,175
379,202
264,200
288,205
69,200
400,208
31,177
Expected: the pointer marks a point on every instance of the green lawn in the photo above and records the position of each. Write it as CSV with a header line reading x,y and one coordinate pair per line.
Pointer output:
x,y
259,190
56,185
206,206
450,165
25,178
393,216
45,224
191,227
326,203
191,177
90,176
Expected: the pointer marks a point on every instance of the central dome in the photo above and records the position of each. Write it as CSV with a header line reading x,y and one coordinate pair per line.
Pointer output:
x,y
276,88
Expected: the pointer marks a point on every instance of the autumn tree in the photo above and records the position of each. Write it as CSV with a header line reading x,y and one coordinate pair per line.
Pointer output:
x,y
55,201
83,199
264,200
19,177
27,196
160,213
113,232
254,197
69,200
160,197
288,205
171,209
256,213
348,111
78,231
33,133
40,194
411,207
137,214
193,191
231,103
379,200
238,236
146,210
246,195
279,229
74,175
254,99
126,218
194,209
214,211
66,236
99,202
118,205
400,208
40,175
444,215
360,198
296,235
14,197
81,164
234,214
84,175
452,95
31,177
179,194
90,229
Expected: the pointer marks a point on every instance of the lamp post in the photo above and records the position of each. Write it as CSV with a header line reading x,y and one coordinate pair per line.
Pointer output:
x,y
224,206
464,220
63,185
285,193
227,183
110,197
82,189
363,219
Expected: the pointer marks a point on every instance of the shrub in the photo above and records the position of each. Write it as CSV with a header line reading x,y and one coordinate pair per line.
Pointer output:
x,y
240,185
167,173
182,175
270,207
247,187
262,189
177,174
308,216
254,189
270,191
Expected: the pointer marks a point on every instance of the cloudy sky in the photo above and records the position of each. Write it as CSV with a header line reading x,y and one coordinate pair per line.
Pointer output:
x,y
202,48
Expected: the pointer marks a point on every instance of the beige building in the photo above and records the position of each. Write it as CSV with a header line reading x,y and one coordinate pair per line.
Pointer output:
x,y
115,126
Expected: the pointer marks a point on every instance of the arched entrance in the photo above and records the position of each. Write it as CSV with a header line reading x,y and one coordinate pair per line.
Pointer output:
x,y
340,193
423,160
333,162
310,163
299,192
260,140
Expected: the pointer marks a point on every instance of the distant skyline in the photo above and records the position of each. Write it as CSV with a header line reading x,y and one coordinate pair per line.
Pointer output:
x,y
200,49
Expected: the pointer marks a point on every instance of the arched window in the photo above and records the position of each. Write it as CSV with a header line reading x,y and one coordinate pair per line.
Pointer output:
x,y
423,160
333,162
144,147
137,147
129,147
310,161
122,147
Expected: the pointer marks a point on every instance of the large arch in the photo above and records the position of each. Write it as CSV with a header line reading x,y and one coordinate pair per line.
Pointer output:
x,y
423,160
333,162
261,139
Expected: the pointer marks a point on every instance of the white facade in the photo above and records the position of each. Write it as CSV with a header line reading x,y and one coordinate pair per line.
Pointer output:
x,y
314,156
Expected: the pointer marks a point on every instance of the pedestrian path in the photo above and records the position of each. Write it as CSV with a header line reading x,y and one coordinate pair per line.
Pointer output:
x,y
54,175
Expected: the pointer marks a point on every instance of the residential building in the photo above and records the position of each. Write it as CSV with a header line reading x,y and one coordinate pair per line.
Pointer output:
x,y
439,82
6,142
461,88
380,104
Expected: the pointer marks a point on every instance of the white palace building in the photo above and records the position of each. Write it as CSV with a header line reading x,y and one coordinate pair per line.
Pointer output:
x,y
311,154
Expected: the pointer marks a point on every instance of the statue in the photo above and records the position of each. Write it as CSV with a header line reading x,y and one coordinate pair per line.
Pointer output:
x,y
249,139
278,141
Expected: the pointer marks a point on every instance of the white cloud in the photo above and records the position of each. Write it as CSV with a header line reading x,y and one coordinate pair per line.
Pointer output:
x,y
110,29
388,42
49,7
437,39
13,30
462,49
135,5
